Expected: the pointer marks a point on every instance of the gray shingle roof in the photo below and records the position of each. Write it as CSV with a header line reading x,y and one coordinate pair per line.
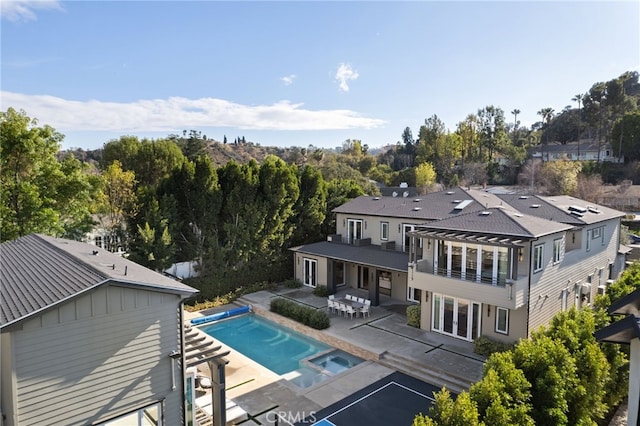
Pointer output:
x,y
365,255
441,205
432,206
38,272
499,221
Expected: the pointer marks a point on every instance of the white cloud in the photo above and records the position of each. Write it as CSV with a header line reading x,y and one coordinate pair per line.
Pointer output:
x,y
288,79
24,10
345,73
177,112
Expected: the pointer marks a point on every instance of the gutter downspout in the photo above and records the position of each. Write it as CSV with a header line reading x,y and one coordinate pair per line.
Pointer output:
x,y
183,362
529,286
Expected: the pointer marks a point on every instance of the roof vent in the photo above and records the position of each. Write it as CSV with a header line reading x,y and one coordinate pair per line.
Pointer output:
x,y
415,209
417,200
395,194
518,214
485,213
376,198
456,201
593,210
95,252
575,213
451,192
523,197
405,194
535,206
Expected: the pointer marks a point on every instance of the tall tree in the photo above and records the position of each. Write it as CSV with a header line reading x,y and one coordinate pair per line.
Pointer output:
x,y
515,113
492,131
31,179
310,207
627,131
547,115
578,98
118,203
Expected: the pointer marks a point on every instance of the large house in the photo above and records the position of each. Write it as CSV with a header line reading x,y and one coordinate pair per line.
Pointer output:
x,y
478,263
88,337
583,150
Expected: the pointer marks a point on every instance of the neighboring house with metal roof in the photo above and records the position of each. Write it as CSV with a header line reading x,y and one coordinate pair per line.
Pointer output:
x,y
479,263
87,337
627,331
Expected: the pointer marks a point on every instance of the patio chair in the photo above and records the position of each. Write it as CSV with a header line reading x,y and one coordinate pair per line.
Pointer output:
x,y
350,311
343,308
367,302
349,297
332,297
361,300
330,305
365,310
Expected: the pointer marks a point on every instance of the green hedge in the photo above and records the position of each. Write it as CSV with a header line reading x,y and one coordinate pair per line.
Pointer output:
x,y
322,291
413,316
483,345
304,314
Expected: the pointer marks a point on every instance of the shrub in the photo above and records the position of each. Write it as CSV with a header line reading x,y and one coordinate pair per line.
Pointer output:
x,y
293,283
306,315
484,345
322,291
413,316
210,296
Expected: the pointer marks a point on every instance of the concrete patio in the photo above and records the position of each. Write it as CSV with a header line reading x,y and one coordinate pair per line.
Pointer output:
x,y
383,339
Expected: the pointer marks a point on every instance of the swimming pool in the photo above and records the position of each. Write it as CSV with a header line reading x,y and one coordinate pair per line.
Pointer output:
x,y
269,344
299,359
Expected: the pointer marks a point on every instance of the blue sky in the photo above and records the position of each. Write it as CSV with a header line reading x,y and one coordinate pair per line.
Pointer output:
x,y
301,73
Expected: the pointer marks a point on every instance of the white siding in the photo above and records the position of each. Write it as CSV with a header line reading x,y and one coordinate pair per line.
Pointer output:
x,y
97,357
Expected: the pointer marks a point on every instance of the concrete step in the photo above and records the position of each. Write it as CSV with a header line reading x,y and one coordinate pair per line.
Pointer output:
x,y
424,372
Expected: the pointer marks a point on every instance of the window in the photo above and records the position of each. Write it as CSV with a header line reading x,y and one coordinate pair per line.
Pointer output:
x,y
98,241
538,252
557,250
151,415
502,320
384,231
354,230
588,239
310,272
596,233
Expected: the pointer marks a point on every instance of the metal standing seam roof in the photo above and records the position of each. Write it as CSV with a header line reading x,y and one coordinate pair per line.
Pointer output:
x,y
38,272
365,255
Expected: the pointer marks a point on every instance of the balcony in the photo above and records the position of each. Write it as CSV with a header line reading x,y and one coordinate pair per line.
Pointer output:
x,y
510,294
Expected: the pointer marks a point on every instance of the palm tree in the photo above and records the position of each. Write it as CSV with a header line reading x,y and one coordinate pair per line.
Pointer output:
x,y
578,98
515,113
547,115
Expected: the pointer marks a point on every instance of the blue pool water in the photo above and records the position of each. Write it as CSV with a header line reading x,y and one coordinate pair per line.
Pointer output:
x,y
279,349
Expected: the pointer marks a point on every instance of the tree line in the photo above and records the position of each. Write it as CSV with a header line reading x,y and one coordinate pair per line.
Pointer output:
x,y
164,201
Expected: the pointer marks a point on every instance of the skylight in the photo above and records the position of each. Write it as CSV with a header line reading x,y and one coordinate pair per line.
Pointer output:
x,y
463,204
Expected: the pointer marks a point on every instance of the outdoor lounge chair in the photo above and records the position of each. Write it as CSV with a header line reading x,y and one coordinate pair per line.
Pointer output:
x,y
234,411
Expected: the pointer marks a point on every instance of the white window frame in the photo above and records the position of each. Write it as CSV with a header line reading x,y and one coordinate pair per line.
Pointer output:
x,y
589,233
307,263
538,258
500,310
557,250
137,416
352,225
384,231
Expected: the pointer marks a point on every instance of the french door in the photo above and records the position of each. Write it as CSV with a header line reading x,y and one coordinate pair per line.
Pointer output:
x,y
455,317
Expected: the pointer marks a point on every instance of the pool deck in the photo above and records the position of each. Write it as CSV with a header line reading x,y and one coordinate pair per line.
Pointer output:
x,y
383,339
